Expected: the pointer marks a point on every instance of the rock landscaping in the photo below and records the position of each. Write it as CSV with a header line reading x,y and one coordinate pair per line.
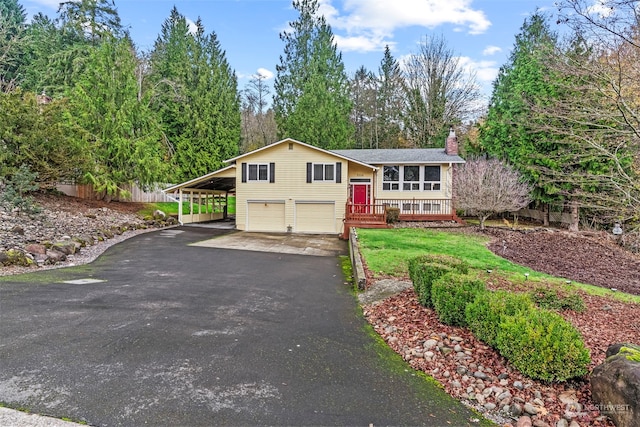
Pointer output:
x,y
477,374
65,228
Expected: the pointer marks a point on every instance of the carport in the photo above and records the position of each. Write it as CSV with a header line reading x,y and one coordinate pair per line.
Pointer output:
x,y
207,196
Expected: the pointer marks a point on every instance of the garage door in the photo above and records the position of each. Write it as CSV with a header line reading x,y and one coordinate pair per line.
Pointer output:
x,y
266,216
315,217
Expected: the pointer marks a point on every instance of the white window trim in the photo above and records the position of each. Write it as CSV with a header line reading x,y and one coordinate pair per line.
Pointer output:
x,y
400,183
324,171
258,172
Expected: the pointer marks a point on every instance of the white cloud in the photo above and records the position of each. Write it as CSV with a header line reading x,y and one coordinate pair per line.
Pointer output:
x,y
361,43
268,75
385,16
193,28
491,50
485,71
376,20
600,8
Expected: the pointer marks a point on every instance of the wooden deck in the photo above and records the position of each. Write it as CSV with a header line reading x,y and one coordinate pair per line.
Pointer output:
x,y
375,215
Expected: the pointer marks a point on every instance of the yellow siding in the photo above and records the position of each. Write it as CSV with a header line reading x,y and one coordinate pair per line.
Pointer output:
x,y
291,182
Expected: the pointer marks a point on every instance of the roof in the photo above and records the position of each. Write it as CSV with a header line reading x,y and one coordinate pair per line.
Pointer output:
x,y
210,181
287,140
374,156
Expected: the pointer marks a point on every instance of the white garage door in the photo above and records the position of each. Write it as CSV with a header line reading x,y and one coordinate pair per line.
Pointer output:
x,y
315,217
267,215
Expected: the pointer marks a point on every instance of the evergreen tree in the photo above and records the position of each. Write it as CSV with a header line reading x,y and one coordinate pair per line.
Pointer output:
x,y
311,102
125,140
12,28
48,64
196,96
390,103
93,20
508,132
37,135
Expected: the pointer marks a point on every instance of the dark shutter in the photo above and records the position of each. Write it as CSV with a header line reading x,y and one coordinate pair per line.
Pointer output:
x,y
339,172
244,172
309,172
272,172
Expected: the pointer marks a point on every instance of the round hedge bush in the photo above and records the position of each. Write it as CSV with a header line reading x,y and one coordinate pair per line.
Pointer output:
x,y
542,345
451,294
485,314
425,269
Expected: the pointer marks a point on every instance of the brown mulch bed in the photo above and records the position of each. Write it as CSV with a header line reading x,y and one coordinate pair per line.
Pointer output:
x,y
591,258
588,258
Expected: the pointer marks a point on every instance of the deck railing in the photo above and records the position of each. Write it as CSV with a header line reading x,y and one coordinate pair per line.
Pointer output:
x,y
366,213
419,207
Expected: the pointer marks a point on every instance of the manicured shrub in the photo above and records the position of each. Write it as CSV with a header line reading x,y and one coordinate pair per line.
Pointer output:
x,y
552,299
423,277
393,215
451,294
487,311
424,269
542,345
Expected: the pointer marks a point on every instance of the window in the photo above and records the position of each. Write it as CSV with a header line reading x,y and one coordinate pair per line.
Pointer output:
x,y
411,178
391,178
258,172
431,178
324,172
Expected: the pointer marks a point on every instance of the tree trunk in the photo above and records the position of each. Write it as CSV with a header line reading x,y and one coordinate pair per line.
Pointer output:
x,y
482,219
575,215
545,214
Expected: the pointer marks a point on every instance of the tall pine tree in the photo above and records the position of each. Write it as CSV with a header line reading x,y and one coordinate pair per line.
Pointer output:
x,y
508,132
196,96
124,138
12,29
311,101
390,103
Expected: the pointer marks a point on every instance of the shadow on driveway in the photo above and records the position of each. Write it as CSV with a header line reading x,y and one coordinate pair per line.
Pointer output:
x,y
160,332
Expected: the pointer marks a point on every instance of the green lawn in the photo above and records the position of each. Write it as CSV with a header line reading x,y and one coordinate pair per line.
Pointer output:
x,y
171,208
387,251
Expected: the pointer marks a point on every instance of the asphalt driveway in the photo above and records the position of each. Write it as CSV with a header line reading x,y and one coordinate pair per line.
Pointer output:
x,y
160,332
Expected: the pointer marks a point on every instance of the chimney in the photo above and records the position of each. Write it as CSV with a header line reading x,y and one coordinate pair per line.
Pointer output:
x,y
451,146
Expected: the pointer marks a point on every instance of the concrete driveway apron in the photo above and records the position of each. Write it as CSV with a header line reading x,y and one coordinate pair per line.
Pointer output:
x,y
160,332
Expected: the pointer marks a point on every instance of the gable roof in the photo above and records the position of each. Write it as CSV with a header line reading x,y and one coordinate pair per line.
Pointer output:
x,y
335,153
374,156
215,180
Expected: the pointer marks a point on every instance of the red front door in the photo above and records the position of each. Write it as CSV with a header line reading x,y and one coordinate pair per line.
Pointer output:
x,y
360,194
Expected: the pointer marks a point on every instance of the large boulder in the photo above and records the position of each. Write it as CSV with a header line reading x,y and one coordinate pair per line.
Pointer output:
x,y
615,385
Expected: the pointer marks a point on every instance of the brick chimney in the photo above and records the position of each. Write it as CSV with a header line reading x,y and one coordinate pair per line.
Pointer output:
x,y
451,146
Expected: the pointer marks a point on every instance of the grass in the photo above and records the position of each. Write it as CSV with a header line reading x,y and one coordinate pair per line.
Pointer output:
x,y
387,252
171,208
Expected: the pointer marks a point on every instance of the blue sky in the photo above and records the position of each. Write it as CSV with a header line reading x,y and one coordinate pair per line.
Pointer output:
x,y
481,32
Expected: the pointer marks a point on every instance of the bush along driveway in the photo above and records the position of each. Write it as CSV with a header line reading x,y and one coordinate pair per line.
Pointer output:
x,y
159,332
515,343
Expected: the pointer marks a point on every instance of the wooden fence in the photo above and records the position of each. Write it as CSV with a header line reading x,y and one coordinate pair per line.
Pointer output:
x,y
86,191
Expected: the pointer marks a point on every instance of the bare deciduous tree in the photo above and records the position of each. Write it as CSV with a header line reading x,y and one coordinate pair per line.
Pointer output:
x,y
439,92
258,122
483,187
